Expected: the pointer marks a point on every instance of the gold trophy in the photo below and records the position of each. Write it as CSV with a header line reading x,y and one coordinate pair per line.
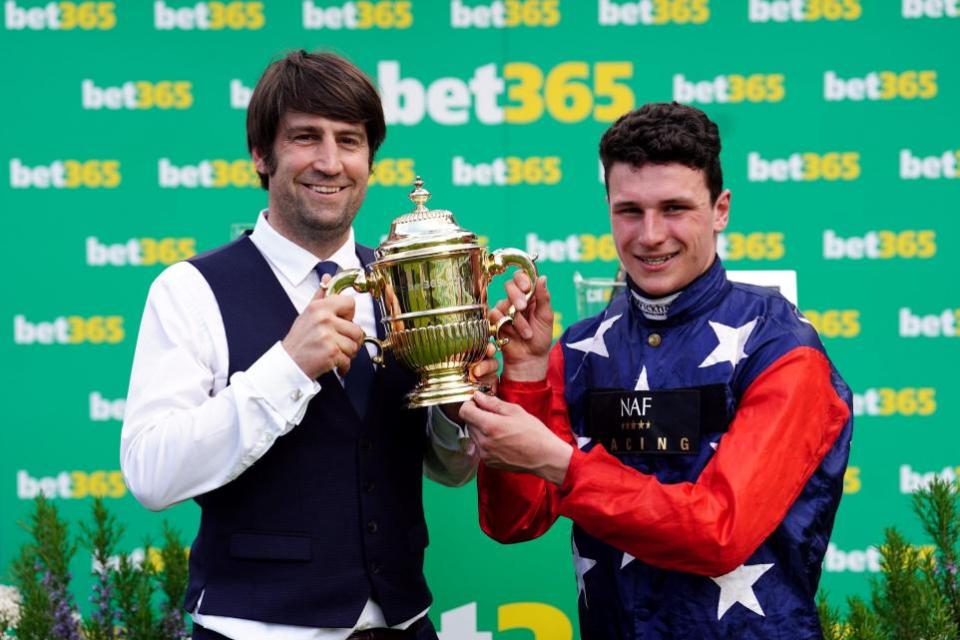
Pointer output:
x,y
430,278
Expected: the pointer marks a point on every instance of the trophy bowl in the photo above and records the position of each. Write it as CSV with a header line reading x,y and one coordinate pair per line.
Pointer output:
x,y
430,278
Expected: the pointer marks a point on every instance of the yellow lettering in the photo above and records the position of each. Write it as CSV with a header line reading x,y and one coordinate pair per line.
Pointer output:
x,y
546,622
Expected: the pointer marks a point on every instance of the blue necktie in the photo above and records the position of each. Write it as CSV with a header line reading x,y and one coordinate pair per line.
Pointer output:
x,y
359,379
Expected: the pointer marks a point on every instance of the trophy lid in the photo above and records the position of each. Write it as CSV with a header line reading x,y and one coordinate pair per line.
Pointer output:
x,y
424,228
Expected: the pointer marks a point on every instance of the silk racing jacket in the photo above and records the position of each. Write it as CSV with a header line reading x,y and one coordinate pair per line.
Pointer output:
x,y
725,539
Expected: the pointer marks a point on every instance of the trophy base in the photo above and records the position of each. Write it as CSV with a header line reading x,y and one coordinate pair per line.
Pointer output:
x,y
443,390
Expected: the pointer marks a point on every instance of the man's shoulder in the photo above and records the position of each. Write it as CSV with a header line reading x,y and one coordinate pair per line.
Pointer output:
x,y
223,251
774,312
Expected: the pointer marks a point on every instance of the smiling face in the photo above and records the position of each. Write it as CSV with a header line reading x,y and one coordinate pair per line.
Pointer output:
x,y
319,178
664,224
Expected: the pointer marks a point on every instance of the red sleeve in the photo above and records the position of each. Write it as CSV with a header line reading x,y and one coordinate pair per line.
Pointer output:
x,y
520,506
781,432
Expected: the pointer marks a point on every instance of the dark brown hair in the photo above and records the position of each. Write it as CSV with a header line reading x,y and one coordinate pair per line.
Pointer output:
x,y
318,83
664,133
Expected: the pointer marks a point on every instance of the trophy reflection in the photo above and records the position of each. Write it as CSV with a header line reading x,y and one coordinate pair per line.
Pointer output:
x,y
430,278
594,294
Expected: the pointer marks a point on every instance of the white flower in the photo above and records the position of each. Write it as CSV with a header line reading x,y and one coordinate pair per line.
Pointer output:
x,y
9,607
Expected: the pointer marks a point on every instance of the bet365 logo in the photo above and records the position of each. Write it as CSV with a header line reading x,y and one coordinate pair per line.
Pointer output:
x,y
71,485
945,165
138,95
69,330
65,174
929,325
358,14
804,10
732,88
930,8
886,401
881,85
543,620
509,171
652,12
912,481
209,16
208,174
920,244
834,323
757,245
139,252
505,14
60,16
804,167
523,93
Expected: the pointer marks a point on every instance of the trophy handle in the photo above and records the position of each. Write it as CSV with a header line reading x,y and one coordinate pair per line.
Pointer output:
x,y
357,279
382,345
352,279
497,262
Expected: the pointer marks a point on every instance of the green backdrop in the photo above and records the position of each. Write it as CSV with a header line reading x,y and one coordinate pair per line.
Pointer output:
x,y
124,146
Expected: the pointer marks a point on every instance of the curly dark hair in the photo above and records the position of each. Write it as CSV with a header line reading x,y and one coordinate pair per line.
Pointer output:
x,y
320,83
663,133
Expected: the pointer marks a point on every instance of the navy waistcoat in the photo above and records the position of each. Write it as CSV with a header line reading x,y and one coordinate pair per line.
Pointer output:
x,y
331,514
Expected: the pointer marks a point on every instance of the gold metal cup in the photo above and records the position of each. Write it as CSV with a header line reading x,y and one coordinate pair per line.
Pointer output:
x,y
430,278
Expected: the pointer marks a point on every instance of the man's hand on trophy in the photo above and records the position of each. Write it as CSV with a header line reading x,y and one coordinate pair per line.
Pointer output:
x,y
483,372
531,332
509,438
324,337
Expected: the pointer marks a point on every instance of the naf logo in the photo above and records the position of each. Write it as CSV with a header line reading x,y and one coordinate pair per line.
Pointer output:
x,y
209,16
946,165
60,16
837,560
934,325
140,252
912,481
930,8
804,10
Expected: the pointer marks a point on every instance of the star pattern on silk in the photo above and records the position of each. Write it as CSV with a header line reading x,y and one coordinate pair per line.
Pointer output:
x,y
737,586
732,341
596,344
642,383
581,565
583,441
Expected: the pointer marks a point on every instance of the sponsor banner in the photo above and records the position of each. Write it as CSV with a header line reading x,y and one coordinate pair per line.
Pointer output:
x,y
125,152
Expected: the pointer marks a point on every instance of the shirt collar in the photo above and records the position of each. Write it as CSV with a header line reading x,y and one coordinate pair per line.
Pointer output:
x,y
704,292
293,261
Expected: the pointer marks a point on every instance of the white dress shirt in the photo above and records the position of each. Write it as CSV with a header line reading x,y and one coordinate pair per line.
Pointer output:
x,y
188,430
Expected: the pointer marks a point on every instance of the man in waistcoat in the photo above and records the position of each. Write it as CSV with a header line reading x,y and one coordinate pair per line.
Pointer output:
x,y
695,431
253,393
